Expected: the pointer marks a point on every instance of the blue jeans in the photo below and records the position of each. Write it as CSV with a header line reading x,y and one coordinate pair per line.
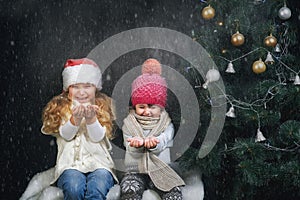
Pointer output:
x,y
92,185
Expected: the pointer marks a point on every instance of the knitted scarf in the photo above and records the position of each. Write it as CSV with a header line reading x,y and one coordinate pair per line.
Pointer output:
x,y
162,175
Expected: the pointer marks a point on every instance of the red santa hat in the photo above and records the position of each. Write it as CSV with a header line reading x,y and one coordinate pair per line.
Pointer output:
x,y
82,70
150,87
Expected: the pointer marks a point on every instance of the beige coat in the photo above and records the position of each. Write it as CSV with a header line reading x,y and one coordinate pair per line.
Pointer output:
x,y
82,154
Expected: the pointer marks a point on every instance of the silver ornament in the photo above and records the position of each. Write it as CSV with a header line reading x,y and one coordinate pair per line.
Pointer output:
x,y
297,80
212,75
284,13
269,59
259,136
230,112
230,68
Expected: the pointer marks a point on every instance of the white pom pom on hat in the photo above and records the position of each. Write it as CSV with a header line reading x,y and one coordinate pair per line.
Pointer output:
x,y
83,70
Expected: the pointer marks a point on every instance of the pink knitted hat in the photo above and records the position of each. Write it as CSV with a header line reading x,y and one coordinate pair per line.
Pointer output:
x,y
150,87
83,70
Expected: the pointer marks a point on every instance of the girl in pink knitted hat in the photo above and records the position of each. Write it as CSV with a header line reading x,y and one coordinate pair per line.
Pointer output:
x,y
148,135
84,167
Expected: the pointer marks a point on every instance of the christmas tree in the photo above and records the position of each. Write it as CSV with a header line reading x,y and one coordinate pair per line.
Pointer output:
x,y
255,44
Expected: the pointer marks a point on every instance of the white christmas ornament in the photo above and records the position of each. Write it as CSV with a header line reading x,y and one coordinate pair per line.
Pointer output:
x,y
277,48
269,59
259,136
297,80
211,76
230,112
284,13
230,68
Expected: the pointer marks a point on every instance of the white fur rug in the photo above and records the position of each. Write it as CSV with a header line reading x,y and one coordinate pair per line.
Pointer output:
x,y
39,188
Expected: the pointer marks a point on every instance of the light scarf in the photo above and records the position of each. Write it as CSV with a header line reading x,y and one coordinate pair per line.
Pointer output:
x,y
162,175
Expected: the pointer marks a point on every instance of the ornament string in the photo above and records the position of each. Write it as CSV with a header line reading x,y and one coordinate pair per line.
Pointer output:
x,y
287,149
255,50
268,147
244,105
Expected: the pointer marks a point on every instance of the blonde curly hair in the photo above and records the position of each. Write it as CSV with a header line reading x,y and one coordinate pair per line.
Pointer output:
x,y
58,109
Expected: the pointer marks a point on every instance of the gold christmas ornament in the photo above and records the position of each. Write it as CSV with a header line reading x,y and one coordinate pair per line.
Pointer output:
x,y
259,66
208,12
224,51
237,39
270,41
220,23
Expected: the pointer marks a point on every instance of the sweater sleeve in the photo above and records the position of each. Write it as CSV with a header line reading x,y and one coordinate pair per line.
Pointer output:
x,y
68,131
128,147
165,139
96,131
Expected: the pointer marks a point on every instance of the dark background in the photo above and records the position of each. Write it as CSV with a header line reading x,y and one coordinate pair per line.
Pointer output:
x,y
36,39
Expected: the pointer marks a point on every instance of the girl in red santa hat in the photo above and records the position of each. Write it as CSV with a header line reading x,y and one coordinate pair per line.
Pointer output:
x,y
81,120
148,135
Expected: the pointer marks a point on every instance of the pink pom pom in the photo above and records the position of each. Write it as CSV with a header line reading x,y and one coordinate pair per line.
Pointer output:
x,y
151,66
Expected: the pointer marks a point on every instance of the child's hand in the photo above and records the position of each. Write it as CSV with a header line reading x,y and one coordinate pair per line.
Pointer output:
x,y
151,142
136,142
91,113
78,113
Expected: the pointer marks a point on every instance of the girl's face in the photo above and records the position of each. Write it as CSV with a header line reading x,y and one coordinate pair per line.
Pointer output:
x,y
147,110
82,92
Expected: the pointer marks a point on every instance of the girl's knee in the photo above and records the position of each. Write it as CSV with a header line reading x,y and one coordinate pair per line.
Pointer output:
x,y
103,173
73,191
99,182
101,176
72,182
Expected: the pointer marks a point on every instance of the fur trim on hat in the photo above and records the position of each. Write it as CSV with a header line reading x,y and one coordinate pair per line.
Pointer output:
x,y
81,71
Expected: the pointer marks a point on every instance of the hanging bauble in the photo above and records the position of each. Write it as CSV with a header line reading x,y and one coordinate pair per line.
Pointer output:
x,y
277,48
270,41
284,13
223,51
237,39
220,23
211,76
259,136
230,112
269,59
208,12
259,66
297,80
230,68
